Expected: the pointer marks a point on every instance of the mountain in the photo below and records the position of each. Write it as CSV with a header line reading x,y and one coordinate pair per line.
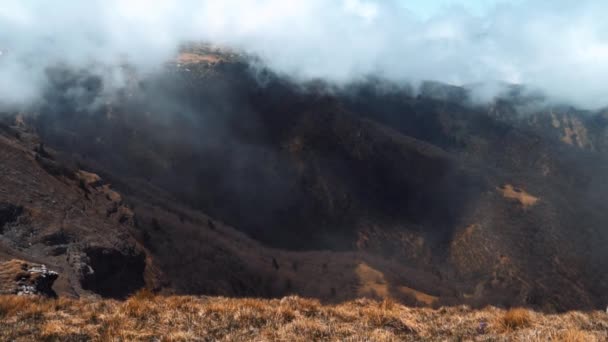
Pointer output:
x,y
217,176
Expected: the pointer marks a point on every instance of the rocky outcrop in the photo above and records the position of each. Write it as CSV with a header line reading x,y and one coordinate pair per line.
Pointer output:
x,y
20,277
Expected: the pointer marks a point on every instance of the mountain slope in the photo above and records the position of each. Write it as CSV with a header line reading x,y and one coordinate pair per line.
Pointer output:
x,y
407,195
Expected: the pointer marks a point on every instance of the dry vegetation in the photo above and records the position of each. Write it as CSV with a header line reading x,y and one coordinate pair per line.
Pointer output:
x,y
515,319
146,317
524,198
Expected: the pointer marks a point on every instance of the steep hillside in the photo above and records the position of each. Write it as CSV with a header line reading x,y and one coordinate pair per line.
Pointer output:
x,y
103,243
55,214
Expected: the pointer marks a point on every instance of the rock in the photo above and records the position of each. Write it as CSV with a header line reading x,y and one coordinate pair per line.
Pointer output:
x,y
20,277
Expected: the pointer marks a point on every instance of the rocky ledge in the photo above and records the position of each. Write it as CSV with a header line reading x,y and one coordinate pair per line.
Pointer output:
x,y
23,278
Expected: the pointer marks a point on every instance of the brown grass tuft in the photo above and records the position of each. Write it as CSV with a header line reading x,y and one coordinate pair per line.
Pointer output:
x,y
9,305
516,319
575,335
143,294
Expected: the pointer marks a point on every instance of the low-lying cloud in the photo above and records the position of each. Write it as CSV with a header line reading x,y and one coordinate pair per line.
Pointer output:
x,y
559,47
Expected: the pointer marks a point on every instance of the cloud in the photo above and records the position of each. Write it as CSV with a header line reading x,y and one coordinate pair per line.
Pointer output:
x,y
559,46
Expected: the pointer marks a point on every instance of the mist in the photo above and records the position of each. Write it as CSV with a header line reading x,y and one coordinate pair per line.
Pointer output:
x,y
558,47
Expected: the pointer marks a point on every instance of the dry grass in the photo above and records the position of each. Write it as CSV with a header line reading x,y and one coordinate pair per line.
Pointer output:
x,y
515,319
524,198
575,335
146,317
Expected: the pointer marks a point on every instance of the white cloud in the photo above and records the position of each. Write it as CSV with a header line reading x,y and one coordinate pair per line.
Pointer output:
x,y
558,46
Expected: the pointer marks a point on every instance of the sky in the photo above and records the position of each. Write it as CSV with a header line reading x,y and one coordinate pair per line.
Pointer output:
x,y
559,47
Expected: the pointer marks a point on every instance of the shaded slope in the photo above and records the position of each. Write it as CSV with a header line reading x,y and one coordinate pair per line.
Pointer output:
x,y
109,244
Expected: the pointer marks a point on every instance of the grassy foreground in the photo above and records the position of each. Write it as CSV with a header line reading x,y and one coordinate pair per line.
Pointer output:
x,y
145,317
